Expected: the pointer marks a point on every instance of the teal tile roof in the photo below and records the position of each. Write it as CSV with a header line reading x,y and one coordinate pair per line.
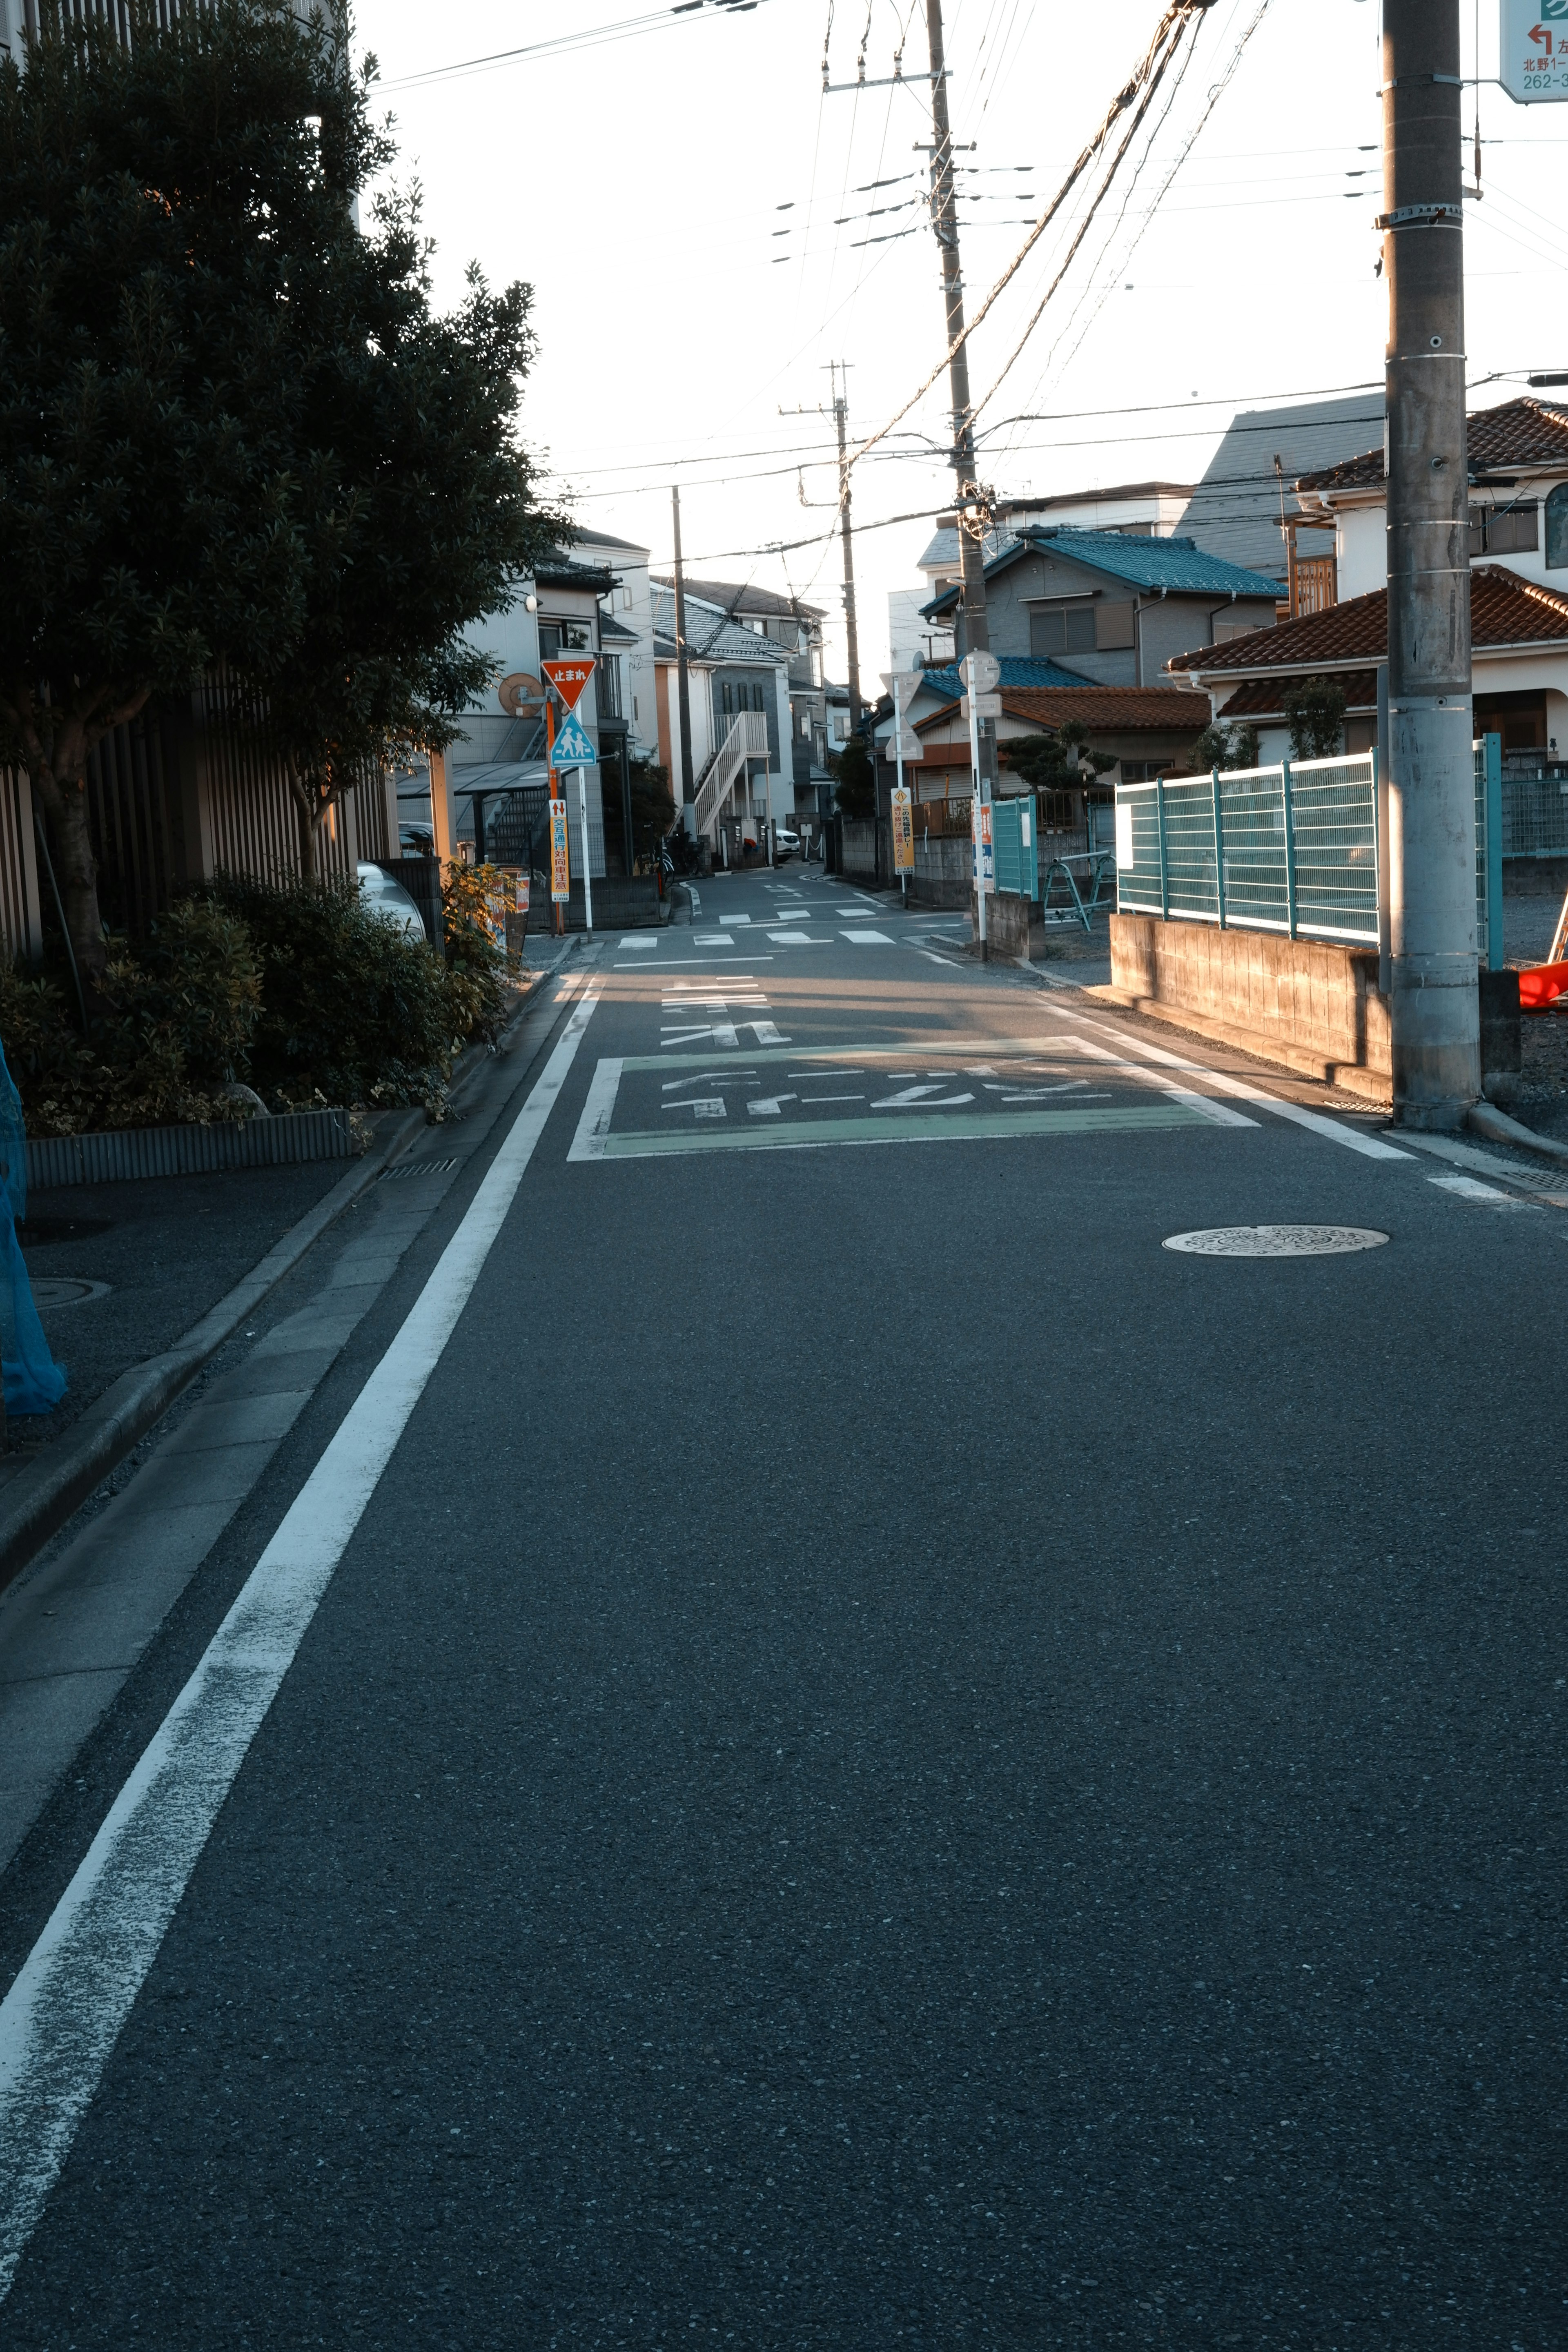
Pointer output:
x,y
1175,564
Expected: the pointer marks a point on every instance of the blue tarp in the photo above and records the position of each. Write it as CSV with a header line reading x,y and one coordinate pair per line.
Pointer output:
x,y
34,1381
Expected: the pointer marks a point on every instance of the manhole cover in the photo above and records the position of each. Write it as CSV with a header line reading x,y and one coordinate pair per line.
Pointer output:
x,y
1278,1241
60,1290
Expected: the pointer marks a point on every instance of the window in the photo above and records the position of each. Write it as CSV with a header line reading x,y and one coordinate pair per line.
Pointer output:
x,y
608,683
1504,529
1115,626
1557,528
1061,629
727,698
557,637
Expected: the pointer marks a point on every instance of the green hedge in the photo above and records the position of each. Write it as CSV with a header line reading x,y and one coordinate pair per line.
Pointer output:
x,y
296,991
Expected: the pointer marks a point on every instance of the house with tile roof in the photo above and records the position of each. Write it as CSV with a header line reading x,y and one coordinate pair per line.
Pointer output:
x,y
1518,510
1146,730
1112,606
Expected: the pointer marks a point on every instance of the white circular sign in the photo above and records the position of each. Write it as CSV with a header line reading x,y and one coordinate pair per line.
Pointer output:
x,y
982,673
1277,1241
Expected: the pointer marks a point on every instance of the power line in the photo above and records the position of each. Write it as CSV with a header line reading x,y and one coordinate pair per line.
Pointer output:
x,y
1150,69
591,38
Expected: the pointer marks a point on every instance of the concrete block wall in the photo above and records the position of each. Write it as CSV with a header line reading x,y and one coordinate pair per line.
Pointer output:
x,y
1313,997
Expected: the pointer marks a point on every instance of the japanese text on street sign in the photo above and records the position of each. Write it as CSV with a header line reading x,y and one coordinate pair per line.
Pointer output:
x,y
980,835
903,832
1532,50
560,861
569,678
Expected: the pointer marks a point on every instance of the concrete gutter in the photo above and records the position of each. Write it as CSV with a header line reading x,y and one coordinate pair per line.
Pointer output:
x,y
42,1497
1485,1118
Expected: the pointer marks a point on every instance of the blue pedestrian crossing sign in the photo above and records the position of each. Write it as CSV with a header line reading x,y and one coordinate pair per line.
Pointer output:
x,y
572,747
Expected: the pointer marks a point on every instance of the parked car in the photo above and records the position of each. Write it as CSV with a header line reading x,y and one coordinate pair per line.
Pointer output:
x,y
786,843
389,902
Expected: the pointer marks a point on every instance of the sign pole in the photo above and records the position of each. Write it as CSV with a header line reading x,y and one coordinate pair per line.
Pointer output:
x,y
587,862
550,786
899,757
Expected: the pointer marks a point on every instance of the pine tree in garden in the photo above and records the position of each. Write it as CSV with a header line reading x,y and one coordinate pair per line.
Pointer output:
x,y
233,428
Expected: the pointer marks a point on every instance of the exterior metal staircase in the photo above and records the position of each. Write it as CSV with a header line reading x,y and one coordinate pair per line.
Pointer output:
x,y
747,738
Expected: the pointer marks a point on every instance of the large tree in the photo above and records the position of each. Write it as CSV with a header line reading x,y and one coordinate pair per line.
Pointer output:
x,y
232,428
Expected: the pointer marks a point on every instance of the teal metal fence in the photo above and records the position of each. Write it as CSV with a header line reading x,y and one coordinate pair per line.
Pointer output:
x,y
1015,845
1293,848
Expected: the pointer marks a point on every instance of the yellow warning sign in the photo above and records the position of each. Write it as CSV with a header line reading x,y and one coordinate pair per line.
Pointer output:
x,y
904,831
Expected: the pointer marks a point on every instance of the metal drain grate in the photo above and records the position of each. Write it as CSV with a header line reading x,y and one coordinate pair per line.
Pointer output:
x,y
415,1167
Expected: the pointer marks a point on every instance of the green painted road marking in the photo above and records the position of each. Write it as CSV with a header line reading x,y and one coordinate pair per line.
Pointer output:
x,y
592,1143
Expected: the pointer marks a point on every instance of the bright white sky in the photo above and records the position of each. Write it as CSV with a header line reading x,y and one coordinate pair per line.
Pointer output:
x,y
639,185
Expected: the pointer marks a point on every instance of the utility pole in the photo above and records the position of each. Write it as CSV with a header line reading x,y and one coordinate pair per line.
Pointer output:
x,y
841,419
968,503
683,675
1435,1010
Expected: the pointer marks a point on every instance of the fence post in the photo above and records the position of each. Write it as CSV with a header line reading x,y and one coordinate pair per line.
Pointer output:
x,y
1494,851
1164,862
1218,850
1290,845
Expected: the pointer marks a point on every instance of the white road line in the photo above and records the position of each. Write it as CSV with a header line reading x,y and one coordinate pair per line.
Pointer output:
x,y
946,962
62,2016
1470,1188
1352,1140
1205,1105
868,939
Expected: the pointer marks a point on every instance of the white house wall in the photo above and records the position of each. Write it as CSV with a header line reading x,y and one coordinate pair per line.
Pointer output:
x,y
1360,549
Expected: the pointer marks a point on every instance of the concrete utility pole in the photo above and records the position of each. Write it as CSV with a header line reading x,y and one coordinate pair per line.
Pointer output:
x,y
682,672
841,419
1435,1004
968,504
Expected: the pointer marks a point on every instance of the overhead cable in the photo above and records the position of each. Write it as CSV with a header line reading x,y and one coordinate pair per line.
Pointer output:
x,y
1144,82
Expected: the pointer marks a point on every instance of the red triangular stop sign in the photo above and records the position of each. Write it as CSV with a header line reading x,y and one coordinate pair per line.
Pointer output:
x,y
569,678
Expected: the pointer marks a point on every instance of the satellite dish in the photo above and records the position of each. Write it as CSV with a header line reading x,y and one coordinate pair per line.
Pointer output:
x,y
520,696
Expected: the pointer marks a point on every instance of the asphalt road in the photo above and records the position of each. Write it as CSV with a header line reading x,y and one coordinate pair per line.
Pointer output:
x,y
887,1762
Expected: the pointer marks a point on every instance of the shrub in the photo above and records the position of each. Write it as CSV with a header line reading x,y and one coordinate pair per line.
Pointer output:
x,y
474,960
353,1010
1220,746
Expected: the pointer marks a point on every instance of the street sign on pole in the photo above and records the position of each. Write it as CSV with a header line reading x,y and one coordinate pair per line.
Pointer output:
x,y
1532,50
560,857
982,673
985,855
904,831
572,747
905,744
569,677
903,685
986,705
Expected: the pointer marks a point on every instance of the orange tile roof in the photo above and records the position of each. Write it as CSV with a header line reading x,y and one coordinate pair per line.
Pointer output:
x,y
1260,697
1518,433
1504,611
1107,707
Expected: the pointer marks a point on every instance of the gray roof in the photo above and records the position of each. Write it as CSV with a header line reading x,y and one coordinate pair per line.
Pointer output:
x,y
586,537
711,636
611,631
730,596
1234,510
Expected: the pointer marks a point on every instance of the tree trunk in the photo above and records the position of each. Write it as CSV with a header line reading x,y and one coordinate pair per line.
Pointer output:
x,y
76,871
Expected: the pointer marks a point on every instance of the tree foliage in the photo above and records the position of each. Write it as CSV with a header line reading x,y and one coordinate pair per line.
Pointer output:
x,y
1057,761
856,782
232,428
1315,714
1222,746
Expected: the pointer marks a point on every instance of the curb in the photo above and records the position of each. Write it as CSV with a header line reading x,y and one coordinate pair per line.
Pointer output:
x,y
40,1501
1485,1118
